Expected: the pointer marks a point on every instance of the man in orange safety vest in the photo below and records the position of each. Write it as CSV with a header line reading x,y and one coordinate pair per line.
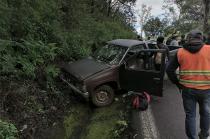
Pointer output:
x,y
193,61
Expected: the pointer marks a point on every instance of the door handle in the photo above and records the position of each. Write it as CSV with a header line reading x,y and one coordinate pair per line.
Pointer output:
x,y
156,79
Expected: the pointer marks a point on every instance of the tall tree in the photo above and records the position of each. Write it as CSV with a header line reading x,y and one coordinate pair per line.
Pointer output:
x,y
109,7
190,15
144,14
154,26
92,6
206,4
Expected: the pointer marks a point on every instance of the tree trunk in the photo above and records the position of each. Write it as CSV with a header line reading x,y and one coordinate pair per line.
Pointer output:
x,y
206,4
109,7
92,6
116,11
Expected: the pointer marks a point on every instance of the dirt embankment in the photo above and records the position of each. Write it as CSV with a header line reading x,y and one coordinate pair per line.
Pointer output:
x,y
43,114
31,109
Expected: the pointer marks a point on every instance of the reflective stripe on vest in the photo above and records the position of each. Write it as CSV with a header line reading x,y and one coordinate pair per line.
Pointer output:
x,y
194,82
194,72
195,68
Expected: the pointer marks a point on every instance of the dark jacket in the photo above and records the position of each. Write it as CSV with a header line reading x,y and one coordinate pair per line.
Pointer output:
x,y
182,42
162,46
208,41
192,47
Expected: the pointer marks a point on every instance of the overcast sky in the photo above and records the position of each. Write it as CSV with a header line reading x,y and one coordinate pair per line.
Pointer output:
x,y
157,9
156,6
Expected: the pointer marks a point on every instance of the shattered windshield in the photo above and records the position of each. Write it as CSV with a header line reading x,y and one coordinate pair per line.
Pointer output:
x,y
111,54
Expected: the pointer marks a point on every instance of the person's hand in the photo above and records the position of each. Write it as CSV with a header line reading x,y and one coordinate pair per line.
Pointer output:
x,y
180,87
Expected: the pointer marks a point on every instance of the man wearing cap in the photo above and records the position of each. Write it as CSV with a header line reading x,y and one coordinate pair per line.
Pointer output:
x,y
193,61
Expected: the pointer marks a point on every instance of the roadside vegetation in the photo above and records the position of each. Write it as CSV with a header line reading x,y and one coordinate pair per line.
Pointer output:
x,y
35,36
7,130
104,123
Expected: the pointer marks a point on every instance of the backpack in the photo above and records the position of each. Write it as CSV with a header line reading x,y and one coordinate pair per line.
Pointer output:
x,y
140,101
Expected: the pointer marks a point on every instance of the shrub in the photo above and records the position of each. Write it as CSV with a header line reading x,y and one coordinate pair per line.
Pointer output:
x,y
8,131
25,58
51,72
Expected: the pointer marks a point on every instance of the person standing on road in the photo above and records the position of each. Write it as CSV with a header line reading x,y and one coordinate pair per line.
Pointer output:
x,y
182,41
174,41
193,61
158,56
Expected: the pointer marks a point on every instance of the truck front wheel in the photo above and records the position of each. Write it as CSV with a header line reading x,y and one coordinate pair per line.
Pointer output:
x,y
103,96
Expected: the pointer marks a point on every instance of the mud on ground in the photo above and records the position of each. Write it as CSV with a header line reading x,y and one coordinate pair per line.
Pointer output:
x,y
43,114
30,108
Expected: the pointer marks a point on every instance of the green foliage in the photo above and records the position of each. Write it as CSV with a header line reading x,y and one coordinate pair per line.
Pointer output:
x,y
36,33
154,26
51,72
121,126
24,59
191,15
103,122
7,130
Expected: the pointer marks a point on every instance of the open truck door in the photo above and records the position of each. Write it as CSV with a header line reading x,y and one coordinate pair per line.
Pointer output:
x,y
138,73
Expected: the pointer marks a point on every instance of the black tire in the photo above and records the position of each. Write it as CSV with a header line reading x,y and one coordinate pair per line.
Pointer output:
x,y
102,96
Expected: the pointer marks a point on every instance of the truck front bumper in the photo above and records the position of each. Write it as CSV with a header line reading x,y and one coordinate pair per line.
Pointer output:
x,y
82,93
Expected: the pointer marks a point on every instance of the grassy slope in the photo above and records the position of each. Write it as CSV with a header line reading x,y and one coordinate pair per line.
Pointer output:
x,y
84,122
39,104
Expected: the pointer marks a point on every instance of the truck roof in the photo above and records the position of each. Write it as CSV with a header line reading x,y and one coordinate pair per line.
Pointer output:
x,y
125,42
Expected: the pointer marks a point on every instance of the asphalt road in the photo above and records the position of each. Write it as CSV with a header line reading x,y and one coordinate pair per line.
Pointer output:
x,y
164,119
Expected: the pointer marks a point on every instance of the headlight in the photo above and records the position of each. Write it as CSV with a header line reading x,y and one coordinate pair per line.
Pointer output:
x,y
81,87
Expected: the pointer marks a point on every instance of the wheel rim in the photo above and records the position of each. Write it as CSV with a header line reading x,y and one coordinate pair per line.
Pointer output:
x,y
102,96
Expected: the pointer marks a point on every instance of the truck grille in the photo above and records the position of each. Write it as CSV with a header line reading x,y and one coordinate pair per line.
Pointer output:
x,y
73,80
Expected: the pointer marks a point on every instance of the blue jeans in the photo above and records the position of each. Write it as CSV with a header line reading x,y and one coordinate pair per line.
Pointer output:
x,y
190,98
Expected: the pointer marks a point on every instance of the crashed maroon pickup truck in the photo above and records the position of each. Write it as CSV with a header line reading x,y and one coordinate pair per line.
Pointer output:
x,y
120,65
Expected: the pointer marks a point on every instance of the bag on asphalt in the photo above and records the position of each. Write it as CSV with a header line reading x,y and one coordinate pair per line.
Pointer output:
x,y
140,101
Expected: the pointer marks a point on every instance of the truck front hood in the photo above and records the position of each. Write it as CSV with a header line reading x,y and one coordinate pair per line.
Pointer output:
x,y
84,68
